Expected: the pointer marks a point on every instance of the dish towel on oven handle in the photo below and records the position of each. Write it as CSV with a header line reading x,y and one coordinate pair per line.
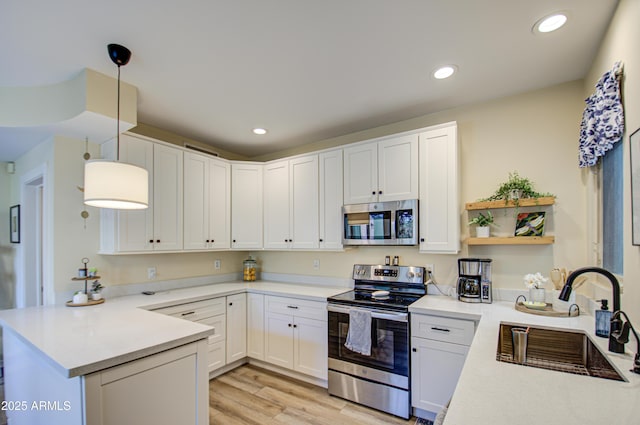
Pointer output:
x,y
359,334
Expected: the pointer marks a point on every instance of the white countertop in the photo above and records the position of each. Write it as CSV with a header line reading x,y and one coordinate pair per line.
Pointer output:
x,y
490,392
81,340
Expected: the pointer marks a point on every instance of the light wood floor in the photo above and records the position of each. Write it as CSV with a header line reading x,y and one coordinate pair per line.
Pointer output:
x,y
251,395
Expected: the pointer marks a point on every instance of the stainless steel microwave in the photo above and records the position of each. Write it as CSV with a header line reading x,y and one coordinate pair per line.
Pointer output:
x,y
381,223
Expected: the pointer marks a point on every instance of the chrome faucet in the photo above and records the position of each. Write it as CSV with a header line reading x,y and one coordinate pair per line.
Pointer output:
x,y
614,345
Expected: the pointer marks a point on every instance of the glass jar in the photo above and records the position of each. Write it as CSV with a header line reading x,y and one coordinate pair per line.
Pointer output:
x,y
249,267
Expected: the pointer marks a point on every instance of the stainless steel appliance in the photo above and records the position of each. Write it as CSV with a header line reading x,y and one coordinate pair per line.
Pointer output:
x,y
381,223
379,380
474,280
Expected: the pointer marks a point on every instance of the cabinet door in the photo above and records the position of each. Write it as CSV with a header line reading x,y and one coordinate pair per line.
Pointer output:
x,y
255,326
303,183
276,205
310,347
279,339
398,168
219,235
135,227
236,327
331,199
361,174
131,393
435,369
439,191
196,201
246,206
167,198
216,357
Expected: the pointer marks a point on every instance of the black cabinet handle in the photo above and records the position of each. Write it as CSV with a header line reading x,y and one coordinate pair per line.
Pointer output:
x,y
150,240
373,193
207,240
295,307
433,328
188,313
213,240
230,304
157,240
295,326
321,240
234,241
379,192
421,239
289,324
414,350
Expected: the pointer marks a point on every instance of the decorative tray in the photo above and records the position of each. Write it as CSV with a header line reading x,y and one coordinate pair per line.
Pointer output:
x,y
547,310
90,302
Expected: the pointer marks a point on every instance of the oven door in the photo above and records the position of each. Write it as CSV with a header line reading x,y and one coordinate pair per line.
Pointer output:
x,y
389,340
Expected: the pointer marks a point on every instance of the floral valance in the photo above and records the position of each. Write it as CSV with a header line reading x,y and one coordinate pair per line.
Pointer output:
x,y
603,118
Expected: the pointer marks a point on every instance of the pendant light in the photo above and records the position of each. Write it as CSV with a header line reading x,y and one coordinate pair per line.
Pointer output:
x,y
115,184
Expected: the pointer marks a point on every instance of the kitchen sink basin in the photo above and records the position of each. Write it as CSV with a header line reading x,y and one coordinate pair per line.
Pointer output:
x,y
559,350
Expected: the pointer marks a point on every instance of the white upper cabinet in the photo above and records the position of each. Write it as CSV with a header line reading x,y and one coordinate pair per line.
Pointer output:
x,y
207,197
246,205
276,205
159,227
385,170
439,190
291,204
331,189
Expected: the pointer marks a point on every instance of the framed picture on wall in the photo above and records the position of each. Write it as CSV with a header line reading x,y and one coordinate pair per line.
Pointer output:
x,y
530,224
634,144
14,223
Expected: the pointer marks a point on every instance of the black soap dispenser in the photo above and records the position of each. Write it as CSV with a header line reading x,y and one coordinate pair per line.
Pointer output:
x,y
603,320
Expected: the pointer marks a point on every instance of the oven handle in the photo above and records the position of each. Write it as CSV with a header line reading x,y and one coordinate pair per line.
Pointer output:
x,y
375,314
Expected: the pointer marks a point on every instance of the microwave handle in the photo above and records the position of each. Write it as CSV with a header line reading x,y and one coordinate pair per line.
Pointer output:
x,y
375,314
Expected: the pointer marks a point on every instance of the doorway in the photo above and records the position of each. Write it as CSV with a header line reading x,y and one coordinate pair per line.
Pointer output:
x,y
31,287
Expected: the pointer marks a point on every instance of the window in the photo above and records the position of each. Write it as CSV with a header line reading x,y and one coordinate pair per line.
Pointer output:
x,y
612,210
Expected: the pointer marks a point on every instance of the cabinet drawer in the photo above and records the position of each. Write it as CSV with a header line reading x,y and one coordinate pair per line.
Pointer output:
x,y
446,329
216,355
197,310
219,323
295,307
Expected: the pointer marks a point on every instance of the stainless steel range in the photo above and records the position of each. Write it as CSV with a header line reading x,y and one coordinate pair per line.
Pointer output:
x,y
373,321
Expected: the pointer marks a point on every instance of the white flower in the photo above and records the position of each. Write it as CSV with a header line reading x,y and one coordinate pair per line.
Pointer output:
x,y
534,280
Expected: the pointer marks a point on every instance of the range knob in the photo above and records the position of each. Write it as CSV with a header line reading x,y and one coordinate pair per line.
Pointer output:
x,y
410,274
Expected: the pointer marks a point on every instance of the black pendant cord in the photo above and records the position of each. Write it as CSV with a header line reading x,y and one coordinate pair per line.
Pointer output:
x,y
118,122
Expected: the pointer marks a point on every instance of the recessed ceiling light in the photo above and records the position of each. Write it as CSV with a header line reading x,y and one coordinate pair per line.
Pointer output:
x,y
550,23
259,131
444,72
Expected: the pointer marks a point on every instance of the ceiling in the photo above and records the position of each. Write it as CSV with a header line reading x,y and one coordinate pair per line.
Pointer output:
x,y
211,70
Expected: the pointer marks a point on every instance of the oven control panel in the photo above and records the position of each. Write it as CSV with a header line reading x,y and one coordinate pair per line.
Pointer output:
x,y
406,274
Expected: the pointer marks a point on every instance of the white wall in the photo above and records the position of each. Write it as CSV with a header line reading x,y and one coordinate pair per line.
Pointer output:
x,y
621,44
534,133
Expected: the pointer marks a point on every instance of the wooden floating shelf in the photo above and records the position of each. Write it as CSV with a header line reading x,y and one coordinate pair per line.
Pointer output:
x,y
513,240
527,202
85,278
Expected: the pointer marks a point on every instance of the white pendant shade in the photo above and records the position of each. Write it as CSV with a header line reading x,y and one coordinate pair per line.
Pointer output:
x,y
116,185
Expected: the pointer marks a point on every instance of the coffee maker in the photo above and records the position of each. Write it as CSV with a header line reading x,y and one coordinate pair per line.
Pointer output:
x,y
474,280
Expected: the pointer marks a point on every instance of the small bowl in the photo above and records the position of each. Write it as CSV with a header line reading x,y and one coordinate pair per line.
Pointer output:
x,y
536,305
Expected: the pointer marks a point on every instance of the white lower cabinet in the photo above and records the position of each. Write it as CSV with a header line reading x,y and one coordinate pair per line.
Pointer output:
x,y
211,312
131,393
236,327
296,335
255,326
439,347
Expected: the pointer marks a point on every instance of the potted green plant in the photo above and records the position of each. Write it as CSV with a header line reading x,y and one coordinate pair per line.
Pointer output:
x,y
96,290
514,189
483,223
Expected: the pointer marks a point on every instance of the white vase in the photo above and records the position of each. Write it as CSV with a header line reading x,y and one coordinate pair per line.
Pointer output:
x,y
537,295
80,298
96,296
482,231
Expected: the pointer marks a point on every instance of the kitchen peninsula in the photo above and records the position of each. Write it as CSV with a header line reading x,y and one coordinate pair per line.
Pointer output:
x,y
91,365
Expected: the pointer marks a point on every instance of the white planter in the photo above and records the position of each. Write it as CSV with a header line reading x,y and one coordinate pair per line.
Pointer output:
x,y
96,296
482,231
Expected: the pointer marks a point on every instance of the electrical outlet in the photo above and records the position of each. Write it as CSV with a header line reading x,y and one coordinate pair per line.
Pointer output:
x,y
316,264
151,273
431,268
217,264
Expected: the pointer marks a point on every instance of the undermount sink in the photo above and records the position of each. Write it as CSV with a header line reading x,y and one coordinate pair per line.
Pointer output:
x,y
560,350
